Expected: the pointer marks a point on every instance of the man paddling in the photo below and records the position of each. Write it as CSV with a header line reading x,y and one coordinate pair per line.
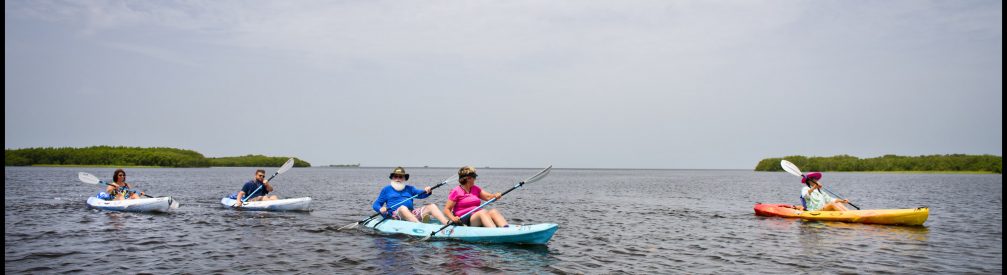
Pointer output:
x,y
398,196
256,189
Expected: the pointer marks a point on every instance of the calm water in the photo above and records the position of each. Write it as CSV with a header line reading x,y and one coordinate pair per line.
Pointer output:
x,y
611,221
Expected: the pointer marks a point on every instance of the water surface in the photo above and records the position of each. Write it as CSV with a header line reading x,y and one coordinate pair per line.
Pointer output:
x,y
611,221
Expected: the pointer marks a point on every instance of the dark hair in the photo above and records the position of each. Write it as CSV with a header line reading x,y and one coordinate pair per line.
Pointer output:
x,y
263,171
115,175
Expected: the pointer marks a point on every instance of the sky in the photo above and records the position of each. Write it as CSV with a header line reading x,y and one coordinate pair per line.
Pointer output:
x,y
586,84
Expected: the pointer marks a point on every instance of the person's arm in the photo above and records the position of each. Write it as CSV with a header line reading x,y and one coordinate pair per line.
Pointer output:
x,y
810,190
487,196
421,193
269,187
379,203
240,195
449,211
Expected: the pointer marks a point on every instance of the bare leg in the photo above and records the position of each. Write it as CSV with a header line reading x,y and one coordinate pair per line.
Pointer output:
x,y
487,219
498,218
404,213
432,210
835,206
482,218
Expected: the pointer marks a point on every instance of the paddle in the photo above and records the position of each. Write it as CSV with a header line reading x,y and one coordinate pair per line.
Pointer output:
x,y
88,178
793,170
532,179
286,166
354,225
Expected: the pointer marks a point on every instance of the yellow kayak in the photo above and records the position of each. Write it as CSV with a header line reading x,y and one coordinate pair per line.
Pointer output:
x,y
912,216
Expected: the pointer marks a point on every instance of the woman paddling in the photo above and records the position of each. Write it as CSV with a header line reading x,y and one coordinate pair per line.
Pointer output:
x,y
466,197
815,199
119,189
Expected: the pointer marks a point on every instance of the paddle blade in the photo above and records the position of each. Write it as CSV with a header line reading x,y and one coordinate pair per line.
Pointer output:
x,y
286,166
452,178
539,176
349,226
88,178
174,204
791,168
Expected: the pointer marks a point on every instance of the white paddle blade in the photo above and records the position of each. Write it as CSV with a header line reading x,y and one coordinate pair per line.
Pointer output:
x,y
286,166
539,176
791,168
88,178
174,204
452,178
348,226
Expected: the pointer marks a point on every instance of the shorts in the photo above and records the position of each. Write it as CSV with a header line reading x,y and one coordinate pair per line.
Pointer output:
x,y
416,212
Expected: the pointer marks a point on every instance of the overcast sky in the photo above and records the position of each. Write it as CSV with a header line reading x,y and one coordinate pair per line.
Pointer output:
x,y
615,84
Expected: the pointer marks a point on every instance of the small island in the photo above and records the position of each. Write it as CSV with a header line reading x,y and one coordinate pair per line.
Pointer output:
x,y
955,163
122,156
344,165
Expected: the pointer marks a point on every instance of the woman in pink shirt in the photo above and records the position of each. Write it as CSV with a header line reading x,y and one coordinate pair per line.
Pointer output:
x,y
466,197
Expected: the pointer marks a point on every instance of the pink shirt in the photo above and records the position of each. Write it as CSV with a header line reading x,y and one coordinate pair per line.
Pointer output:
x,y
464,202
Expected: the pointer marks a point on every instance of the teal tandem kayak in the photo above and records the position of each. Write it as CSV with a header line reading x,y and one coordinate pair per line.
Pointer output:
x,y
523,234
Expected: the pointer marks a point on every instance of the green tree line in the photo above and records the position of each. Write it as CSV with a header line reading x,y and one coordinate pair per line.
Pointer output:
x,y
931,163
132,156
255,160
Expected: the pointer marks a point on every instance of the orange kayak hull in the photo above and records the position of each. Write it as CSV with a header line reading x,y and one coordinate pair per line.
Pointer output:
x,y
911,216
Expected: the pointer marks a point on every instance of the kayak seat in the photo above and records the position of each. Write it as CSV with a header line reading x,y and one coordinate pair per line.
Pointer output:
x,y
804,203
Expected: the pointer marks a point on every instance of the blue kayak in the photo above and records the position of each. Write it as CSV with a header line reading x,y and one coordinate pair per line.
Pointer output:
x,y
522,234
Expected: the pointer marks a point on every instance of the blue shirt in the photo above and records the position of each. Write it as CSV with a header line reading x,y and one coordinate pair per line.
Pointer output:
x,y
250,186
391,197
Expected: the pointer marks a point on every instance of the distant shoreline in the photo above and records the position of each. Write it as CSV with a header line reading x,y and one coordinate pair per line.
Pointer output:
x,y
907,172
135,157
94,166
929,164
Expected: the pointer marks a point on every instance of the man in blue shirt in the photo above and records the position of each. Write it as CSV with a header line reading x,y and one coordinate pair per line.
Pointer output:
x,y
256,189
397,195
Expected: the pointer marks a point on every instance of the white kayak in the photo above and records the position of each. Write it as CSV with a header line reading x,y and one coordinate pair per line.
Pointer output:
x,y
162,204
523,234
295,204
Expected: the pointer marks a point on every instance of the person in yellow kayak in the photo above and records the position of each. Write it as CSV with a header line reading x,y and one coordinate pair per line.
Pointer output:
x,y
398,195
815,199
119,189
466,197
